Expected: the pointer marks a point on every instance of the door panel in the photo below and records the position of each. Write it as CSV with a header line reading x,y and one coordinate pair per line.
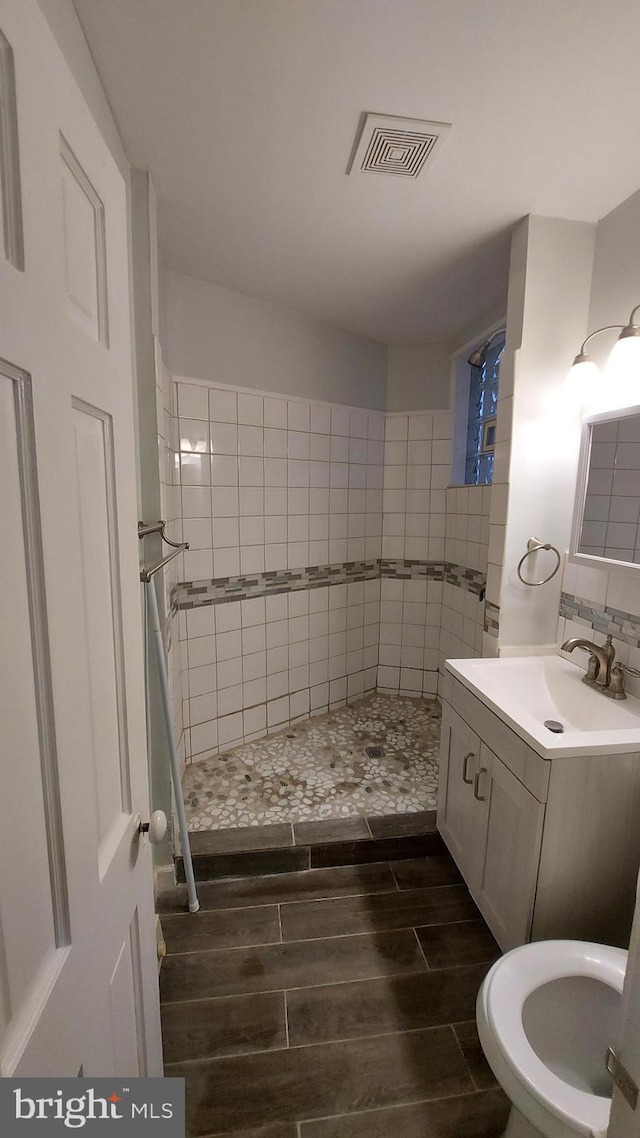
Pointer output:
x,y
10,192
457,808
114,1045
95,488
513,821
23,834
84,247
78,969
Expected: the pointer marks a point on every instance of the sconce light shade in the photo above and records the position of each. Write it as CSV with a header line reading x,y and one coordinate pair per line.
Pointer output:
x,y
584,381
622,373
620,385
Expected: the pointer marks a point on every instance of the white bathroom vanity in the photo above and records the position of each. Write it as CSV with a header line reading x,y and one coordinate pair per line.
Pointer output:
x,y
544,827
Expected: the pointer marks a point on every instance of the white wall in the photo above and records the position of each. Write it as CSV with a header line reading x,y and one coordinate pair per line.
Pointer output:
x,y
615,287
222,336
538,427
418,377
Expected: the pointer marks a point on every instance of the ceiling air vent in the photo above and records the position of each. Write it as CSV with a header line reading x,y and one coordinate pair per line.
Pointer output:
x,y
393,145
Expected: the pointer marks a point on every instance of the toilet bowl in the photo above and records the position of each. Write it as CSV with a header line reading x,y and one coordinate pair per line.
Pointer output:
x,y
547,1012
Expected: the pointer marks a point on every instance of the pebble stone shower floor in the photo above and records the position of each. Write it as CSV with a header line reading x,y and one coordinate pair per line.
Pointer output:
x,y
319,768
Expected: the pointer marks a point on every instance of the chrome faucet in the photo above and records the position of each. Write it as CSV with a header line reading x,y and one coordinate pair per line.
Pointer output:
x,y
601,657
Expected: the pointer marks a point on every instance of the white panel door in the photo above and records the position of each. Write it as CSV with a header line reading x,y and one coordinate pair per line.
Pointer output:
x,y
78,975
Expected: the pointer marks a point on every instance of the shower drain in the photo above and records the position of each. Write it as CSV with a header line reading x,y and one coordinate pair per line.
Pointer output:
x,y
374,752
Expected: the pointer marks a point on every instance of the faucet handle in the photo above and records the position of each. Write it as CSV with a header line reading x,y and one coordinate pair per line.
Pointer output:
x,y
617,682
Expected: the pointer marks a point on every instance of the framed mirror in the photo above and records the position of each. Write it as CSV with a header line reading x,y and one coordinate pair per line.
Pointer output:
x,y
606,520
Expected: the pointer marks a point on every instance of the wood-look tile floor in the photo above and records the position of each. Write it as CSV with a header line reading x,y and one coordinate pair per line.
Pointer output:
x,y
331,1003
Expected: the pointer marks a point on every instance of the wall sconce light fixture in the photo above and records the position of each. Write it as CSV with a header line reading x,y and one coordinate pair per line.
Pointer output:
x,y
622,370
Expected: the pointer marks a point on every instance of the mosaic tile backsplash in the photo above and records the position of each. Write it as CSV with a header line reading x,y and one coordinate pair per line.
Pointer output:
x,y
622,626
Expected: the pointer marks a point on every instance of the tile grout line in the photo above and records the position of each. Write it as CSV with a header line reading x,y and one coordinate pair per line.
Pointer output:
x,y
437,1027
286,1016
421,949
464,1057
319,900
329,936
387,1106
280,924
334,984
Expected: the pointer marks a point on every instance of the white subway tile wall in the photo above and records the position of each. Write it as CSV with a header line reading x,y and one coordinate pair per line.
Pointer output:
x,y
282,483
273,660
269,484
264,483
417,470
466,543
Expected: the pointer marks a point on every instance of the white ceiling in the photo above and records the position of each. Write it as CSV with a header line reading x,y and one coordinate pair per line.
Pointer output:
x,y
246,112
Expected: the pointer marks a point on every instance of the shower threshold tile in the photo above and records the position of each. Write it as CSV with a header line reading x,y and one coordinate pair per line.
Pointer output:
x,y
331,830
242,839
246,863
402,825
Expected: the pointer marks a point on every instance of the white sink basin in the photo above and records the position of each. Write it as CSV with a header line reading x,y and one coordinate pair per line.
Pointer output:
x,y
524,691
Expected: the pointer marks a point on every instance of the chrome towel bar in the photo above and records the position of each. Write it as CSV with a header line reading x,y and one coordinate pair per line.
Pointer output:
x,y
178,547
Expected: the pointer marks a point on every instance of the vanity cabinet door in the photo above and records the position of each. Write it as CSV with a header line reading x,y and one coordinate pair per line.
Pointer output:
x,y
512,821
459,819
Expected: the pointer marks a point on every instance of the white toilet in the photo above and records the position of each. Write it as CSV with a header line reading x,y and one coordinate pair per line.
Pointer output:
x,y
547,1013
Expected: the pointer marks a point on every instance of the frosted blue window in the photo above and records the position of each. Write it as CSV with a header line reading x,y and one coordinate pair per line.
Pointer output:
x,y
483,407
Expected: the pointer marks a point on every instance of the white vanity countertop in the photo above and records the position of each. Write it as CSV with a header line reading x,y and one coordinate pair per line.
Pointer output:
x,y
524,691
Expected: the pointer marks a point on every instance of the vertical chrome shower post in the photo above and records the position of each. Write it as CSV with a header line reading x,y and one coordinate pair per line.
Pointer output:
x,y
154,622
146,576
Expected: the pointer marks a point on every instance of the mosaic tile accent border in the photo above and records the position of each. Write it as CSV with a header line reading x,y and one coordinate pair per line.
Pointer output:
x,y
623,626
193,594
492,619
471,580
403,570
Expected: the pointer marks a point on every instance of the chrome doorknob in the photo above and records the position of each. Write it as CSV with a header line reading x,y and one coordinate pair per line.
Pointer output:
x,y
156,827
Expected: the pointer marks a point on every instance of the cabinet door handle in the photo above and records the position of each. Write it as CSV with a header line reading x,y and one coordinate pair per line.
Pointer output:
x,y
476,781
465,764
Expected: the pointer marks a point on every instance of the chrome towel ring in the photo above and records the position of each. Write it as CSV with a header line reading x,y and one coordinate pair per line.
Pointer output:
x,y
533,545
